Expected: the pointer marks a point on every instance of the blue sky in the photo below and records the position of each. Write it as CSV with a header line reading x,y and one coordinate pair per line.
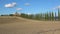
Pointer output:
x,y
28,6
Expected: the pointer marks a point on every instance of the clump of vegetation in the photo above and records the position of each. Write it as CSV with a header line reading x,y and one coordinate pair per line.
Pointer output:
x,y
11,15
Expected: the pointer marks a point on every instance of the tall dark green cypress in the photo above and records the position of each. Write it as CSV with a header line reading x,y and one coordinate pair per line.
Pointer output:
x,y
46,16
58,14
49,15
52,17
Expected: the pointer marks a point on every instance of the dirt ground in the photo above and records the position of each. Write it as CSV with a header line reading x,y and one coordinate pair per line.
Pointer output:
x,y
18,25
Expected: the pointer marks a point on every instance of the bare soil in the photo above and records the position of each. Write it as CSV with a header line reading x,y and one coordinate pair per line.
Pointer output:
x,y
18,25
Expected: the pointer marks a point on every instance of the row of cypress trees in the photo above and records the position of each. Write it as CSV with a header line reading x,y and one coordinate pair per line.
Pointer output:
x,y
47,16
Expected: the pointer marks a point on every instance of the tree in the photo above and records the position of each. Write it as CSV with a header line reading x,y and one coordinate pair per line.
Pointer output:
x,y
37,16
52,17
58,14
46,16
31,16
22,15
11,15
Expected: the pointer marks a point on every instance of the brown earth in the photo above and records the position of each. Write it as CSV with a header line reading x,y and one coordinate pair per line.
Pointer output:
x,y
18,25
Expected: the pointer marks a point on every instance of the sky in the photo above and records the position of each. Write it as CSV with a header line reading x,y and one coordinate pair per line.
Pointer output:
x,y
28,6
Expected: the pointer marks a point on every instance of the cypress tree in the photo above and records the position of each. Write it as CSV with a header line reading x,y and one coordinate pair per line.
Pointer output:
x,y
52,17
46,16
49,15
58,14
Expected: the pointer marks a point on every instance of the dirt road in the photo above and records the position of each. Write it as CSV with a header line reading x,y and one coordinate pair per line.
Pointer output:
x,y
18,25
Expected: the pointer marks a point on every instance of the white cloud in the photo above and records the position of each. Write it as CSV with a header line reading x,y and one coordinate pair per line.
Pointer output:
x,y
27,4
19,8
10,5
57,7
